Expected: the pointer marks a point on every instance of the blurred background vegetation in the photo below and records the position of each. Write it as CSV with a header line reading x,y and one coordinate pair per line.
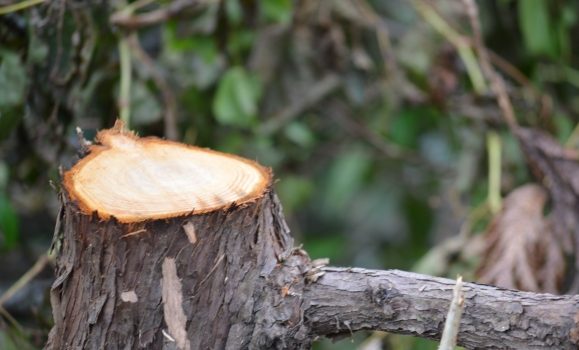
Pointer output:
x,y
377,117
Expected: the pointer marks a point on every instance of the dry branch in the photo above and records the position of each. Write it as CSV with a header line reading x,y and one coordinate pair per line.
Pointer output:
x,y
394,301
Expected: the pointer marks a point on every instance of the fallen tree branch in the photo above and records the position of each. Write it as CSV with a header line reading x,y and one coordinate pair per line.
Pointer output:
x,y
346,300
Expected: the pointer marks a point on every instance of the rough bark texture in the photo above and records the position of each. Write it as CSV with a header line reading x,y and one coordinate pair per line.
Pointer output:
x,y
147,286
347,300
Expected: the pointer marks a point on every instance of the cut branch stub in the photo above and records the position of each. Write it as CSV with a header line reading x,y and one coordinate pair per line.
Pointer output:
x,y
135,179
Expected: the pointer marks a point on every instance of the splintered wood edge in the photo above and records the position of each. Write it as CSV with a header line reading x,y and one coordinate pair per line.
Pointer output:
x,y
137,179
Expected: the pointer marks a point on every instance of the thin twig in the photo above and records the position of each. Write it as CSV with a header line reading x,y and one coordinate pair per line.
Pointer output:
x,y
457,40
19,6
494,161
125,88
497,83
546,102
452,324
511,71
382,35
25,278
134,233
342,114
318,92
11,319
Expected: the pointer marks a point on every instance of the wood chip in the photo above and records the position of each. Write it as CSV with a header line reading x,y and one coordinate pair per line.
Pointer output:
x,y
189,229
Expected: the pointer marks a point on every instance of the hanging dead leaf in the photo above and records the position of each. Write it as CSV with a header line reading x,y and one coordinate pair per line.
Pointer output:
x,y
522,253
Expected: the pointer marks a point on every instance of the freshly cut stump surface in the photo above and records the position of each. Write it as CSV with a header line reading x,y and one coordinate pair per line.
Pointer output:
x,y
136,179
169,246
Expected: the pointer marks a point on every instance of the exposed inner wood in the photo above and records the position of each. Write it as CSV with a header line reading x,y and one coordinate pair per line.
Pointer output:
x,y
136,179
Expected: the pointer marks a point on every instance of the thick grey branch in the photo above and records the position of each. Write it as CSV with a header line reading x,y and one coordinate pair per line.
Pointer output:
x,y
345,300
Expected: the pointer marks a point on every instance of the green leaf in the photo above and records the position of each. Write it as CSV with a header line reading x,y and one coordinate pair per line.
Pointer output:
x,y
536,27
204,46
299,133
4,176
237,98
12,88
9,119
240,43
405,128
563,27
344,178
12,79
9,225
563,126
234,11
277,10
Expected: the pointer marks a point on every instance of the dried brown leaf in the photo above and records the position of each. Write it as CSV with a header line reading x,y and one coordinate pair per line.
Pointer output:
x,y
521,251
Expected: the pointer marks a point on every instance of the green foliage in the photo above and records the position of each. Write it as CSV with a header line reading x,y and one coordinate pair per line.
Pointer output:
x,y
9,223
237,98
301,134
419,220
277,10
12,87
536,27
408,126
345,177
12,78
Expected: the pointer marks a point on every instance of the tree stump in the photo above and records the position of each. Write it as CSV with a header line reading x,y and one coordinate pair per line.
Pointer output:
x,y
168,246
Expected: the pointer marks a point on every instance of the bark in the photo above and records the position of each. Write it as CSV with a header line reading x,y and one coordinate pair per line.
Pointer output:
x,y
131,274
346,300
